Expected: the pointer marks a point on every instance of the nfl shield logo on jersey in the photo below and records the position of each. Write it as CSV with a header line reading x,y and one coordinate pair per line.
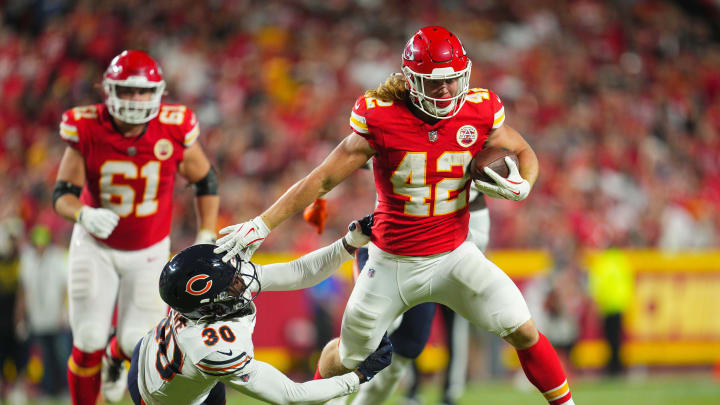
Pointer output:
x,y
371,272
432,136
467,135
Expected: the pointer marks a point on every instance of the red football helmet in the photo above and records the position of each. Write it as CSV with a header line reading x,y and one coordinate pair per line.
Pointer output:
x,y
435,53
133,69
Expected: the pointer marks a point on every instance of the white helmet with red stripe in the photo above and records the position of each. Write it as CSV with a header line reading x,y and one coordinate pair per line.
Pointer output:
x,y
133,69
434,53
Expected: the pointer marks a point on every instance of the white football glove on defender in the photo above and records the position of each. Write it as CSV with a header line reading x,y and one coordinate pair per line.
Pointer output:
x,y
513,188
359,232
242,238
98,221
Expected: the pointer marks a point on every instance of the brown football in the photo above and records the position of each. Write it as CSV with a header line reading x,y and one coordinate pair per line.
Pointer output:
x,y
493,158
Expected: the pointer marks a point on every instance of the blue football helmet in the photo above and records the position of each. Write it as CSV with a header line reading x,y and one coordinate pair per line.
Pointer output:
x,y
200,286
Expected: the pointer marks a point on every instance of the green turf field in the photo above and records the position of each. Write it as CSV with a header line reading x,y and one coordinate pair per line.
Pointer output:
x,y
656,391
666,390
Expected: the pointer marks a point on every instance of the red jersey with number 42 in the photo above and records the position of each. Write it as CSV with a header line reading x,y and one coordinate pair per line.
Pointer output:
x,y
134,177
420,170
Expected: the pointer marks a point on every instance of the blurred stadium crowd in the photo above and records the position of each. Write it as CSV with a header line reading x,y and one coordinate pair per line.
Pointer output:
x,y
621,101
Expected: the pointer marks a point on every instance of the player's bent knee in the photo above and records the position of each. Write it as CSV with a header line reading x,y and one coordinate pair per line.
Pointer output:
x,y
351,355
524,336
89,338
357,345
351,361
365,320
329,364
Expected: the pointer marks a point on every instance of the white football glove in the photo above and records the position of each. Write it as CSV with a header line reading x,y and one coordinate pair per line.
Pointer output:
x,y
98,221
242,238
205,236
359,232
513,188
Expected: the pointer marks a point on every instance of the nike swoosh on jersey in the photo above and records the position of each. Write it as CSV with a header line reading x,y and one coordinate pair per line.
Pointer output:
x,y
223,362
229,353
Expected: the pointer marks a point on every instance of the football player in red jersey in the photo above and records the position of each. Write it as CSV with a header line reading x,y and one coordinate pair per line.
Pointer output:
x,y
422,128
115,182
410,333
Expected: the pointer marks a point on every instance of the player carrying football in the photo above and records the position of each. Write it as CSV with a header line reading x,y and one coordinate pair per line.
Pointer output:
x,y
414,326
422,128
116,181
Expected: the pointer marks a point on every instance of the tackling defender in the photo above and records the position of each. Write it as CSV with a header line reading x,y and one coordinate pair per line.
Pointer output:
x,y
207,337
422,128
116,181
412,334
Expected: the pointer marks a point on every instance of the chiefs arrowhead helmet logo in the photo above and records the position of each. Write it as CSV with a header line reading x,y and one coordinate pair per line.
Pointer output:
x,y
409,53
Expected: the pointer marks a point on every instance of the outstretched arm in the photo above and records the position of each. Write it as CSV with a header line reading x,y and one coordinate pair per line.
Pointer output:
x,y
246,237
265,382
269,384
306,271
316,266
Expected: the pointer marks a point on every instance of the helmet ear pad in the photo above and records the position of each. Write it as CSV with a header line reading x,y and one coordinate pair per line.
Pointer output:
x,y
199,285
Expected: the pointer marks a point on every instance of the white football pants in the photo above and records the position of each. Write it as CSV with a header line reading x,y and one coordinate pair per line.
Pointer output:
x,y
463,279
100,276
378,390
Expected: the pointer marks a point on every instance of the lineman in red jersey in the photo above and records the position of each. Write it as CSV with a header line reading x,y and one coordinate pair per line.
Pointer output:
x,y
422,128
116,181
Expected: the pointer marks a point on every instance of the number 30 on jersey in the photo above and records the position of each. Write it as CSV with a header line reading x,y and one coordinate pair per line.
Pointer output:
x,y
410,180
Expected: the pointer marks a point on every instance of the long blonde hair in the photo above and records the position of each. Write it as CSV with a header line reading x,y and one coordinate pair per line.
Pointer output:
x,y
392,90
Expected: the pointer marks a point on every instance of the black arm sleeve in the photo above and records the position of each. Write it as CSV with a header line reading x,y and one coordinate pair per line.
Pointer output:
x,y
65,187
208,185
